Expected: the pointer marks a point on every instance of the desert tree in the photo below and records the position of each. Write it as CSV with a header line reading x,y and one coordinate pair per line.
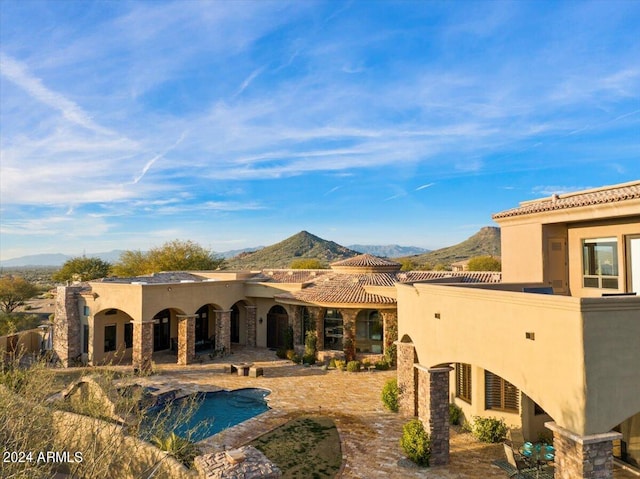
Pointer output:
x,y
14,290
174,255
485,263
82,268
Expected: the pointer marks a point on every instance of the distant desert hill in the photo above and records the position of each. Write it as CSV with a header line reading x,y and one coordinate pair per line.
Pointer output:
x,y
485,242
302,245
387,250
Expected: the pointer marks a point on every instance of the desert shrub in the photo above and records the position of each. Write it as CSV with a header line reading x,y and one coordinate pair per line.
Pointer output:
x,y
382,365
390,395
353,366
415,442
281,353
182,449
290,354
311,343
309,359
340,364
332,363
455,414
488,429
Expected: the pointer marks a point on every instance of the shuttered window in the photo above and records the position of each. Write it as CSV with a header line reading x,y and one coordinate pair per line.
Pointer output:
x,y
500,394
463,381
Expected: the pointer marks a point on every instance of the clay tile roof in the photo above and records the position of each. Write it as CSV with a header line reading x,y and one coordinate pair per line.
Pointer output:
x,y
291,275
606,194
365,262
345,288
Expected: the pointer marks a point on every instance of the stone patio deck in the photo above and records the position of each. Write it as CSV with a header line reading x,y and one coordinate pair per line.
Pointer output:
x,y
369,433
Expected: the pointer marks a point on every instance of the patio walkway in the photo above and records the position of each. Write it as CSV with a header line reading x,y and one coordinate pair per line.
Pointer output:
x,y
369,433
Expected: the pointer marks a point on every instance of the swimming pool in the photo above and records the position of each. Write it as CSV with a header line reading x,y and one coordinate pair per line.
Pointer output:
x,y
212,412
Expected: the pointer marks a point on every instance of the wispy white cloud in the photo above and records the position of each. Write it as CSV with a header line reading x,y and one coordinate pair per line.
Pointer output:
x,y
150,163
422,187
19,74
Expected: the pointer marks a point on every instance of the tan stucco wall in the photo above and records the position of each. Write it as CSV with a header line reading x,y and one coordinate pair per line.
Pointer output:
x,y
578,368
521,252
487,329
612,346
97,354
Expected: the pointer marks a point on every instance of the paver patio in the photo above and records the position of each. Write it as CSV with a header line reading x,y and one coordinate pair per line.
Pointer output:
x,y
369,433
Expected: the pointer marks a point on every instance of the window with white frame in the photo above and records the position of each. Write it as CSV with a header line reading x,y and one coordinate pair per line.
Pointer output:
x,y
600,263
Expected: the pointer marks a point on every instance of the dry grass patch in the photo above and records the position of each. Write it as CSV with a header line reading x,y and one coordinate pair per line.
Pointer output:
x,y
305,448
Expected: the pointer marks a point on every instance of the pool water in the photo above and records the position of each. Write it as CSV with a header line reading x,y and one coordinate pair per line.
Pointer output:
x,y
214,412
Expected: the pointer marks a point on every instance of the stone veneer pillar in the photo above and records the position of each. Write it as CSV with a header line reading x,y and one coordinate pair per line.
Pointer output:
x,y
296,324
349,332
439,414
142,345
186,338
252,331
223,330
66,324
318,315
582,457
390,330
407,379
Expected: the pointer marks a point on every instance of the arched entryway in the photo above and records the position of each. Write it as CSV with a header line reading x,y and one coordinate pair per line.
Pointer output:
x,y
162,330
369,332
277,326
111,338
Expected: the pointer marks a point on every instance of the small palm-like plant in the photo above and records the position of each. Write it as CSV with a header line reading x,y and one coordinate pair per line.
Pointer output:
x,y
182,449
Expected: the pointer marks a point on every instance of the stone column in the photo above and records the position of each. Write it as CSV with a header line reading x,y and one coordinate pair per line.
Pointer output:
x,y
296,324
407,379
390,329
186,338
66,324
349,328
439,414
142,345
252,332
318,315
223,329
582,457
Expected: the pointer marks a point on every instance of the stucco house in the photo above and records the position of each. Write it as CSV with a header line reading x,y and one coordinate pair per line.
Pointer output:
x,y
564,362
122,320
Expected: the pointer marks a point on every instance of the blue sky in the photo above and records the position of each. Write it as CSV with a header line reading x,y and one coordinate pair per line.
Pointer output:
x,y
127,124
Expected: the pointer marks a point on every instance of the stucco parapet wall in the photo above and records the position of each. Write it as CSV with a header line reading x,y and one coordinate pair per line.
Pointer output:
x,y
589,439
510,296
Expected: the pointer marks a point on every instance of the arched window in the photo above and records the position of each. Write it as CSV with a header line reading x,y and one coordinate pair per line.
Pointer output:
x,y
369,332
333,330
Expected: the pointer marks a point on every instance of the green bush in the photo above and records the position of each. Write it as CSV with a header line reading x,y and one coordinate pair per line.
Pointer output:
x,y
332,363
382,365
281,353
390,395
340,364
489,429
415,442
309,359
353,366
290,354
182,449
455,414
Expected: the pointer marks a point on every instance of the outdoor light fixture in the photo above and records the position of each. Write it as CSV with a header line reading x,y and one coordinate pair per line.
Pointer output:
x,y
530,335
437,315
260,321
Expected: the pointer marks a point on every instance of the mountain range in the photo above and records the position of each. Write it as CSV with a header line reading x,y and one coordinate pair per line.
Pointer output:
x,y
304,245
